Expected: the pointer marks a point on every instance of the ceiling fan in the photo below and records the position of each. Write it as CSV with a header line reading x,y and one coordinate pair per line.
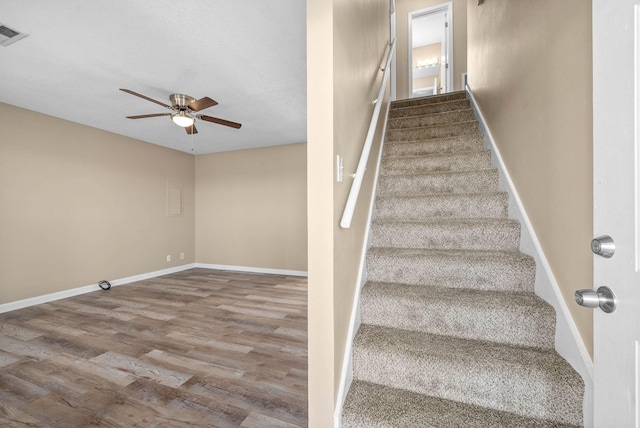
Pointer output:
x,y
183,109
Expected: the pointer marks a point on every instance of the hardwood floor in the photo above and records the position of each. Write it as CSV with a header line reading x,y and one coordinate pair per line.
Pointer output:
x,y
199,348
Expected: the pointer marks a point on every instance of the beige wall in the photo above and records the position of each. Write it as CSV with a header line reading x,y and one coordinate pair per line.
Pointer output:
x,y
79,205
346,42
403,7
251,208
320,177
538,104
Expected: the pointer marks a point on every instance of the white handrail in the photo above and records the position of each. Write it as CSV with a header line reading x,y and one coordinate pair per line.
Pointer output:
x,y
349,209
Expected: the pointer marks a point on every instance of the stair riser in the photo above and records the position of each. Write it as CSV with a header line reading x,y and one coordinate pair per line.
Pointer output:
x,y
429,100
531,326
373,405
442,207
440,131
424,164
447,236
463,143
454,272
462,182
497,386
431,119
462,104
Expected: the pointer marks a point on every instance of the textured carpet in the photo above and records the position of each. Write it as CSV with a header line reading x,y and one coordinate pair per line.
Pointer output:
x,y
452,334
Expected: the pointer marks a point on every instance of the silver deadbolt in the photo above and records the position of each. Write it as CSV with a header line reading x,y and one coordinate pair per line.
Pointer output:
x,y
603,246
603,298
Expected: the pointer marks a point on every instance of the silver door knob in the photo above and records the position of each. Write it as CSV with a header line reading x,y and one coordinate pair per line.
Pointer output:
x,y
602,298
603,246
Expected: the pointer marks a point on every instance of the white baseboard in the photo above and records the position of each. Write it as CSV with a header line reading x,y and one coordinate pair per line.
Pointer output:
x,y
346,376
19,304
568,342
252,269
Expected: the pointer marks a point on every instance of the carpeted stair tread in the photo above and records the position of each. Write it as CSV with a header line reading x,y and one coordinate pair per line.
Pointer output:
x,y
519,319
431,99
480,234
460,161
431,119
435,131
458,143
444,206
458,104
480,270
380,406
530,382
473,181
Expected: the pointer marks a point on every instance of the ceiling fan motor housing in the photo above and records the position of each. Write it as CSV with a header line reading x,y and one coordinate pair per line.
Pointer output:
x,y
181,101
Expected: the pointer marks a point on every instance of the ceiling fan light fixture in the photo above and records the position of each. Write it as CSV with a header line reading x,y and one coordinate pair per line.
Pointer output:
x,y
182,119
184,110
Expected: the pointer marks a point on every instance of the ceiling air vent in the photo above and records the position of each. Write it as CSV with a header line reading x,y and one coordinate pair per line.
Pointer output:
x,y
8,36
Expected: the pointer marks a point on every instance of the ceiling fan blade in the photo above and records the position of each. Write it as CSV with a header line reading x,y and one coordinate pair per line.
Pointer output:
x,y
142,116
191,129
219,121
129,91
202,104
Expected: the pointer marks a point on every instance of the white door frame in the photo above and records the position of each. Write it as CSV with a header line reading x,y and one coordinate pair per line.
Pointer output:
x,y
447,49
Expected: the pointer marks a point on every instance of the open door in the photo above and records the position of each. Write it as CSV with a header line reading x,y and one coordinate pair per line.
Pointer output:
x,y
616,167
430,50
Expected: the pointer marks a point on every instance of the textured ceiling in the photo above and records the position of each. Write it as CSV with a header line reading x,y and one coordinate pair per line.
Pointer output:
x,y
250,56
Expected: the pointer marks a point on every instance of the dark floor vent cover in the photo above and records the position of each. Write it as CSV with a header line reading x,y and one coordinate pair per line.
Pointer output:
x,y
104,284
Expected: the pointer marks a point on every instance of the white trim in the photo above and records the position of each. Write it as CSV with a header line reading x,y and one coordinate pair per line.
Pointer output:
x,y
354,322
636,139
19,304
252,269
569,343
449,35
636,131
46,298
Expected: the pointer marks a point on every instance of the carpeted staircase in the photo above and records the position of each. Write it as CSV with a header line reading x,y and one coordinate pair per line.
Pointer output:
x,y
452,334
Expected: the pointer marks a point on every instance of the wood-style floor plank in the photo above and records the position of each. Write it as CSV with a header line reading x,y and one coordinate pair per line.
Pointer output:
x,y
198,348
